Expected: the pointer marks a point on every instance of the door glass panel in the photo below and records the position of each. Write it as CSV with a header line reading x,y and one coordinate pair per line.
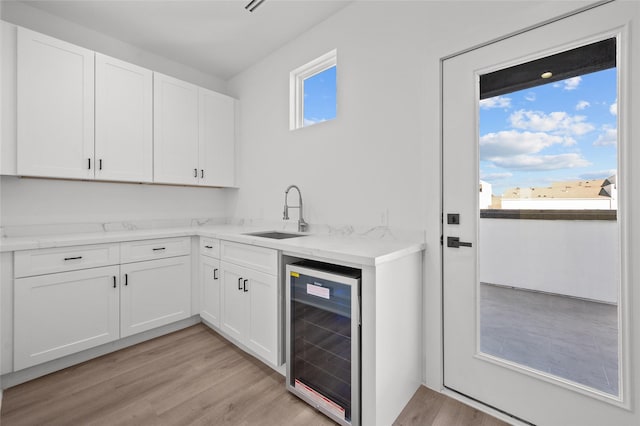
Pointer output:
x,y
548,234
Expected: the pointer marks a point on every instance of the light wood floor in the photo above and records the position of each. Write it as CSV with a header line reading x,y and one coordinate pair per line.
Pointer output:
x,y
191,377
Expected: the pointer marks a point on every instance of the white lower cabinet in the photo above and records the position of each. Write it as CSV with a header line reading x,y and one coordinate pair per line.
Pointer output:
x,y
70,299
60,314
154,293
210,290
249,309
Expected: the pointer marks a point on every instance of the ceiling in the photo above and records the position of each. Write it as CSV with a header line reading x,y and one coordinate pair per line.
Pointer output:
x,y
218,37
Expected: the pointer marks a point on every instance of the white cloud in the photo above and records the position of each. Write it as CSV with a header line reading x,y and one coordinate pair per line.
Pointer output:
x,y
572,83
599,174
310,121
608,136
558,122
582,105
613,108
531,96
490,177
542,162
512,149
495,102
512,142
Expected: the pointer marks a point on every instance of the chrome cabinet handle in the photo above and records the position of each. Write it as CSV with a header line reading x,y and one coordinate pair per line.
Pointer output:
x,y
114,281
245,286
215,274
159,248
195,173
126,279
209,247
73,258
240,283
201,173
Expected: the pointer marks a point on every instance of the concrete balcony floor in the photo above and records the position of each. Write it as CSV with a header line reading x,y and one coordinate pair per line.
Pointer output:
x,y
567,337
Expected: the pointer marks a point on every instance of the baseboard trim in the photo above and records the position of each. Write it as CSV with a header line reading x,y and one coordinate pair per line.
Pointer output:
x,y
12,379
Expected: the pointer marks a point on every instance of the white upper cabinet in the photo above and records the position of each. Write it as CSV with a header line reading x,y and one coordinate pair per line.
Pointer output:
x,y
55,120
216,139
84,115
194,134
124,121
175,110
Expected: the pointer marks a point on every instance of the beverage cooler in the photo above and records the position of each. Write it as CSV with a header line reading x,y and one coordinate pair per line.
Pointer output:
x,y
323,338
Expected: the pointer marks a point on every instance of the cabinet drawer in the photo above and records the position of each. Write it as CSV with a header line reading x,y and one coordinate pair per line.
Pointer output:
x,y
210,247
136,251
258,258
61,259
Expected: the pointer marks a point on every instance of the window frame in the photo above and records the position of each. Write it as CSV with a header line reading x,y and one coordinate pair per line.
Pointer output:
x,y
296,85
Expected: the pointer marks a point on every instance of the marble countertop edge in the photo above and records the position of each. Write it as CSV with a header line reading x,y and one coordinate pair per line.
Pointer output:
x,y
350,249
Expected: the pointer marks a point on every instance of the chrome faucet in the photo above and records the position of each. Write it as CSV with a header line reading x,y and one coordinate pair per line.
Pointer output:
x,y
302,225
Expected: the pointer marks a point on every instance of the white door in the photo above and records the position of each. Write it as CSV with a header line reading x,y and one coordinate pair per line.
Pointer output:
x,y
515,343
210,290
55,108
175,136
60,314
154,293
262,331
124,121
217,139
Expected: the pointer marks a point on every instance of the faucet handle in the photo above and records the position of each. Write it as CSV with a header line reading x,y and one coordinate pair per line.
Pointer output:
x,y
285,213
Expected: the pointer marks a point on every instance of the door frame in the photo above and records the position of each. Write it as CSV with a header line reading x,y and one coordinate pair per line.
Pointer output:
x,y
626,238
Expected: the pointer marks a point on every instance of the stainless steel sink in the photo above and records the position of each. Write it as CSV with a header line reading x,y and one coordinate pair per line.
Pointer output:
x,y
275,235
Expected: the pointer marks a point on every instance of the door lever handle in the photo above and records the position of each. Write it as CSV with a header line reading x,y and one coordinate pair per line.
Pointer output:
x,y
456,243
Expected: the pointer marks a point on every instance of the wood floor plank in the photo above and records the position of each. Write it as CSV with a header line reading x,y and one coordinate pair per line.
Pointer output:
x,y
190,377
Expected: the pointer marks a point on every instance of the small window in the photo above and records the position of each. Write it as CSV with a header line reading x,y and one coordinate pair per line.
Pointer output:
x,y
313,92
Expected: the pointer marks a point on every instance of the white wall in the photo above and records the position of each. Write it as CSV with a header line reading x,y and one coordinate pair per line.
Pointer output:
x,y
560,203
25,201
572,257
379,161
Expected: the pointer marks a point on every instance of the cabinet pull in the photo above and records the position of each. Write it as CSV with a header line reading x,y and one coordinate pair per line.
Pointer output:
x,y
159,248
114,281
195,173
100,164
89,159
245,286
240,283
126,279
209,247
201,173
215,274
73,258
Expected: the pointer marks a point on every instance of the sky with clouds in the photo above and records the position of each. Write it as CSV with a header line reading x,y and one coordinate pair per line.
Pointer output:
x,y
555,132
320,97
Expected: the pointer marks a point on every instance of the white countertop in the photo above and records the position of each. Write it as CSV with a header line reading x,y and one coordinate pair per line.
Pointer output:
x,y
348,249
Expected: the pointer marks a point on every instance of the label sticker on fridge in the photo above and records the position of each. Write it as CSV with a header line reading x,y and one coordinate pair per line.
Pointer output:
x,y
316,290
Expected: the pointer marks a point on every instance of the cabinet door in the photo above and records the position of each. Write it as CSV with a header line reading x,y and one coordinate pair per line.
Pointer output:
x,y
154,293
216,139
60,314
210,290
124,114
55,108
175,139
234,303
262,331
